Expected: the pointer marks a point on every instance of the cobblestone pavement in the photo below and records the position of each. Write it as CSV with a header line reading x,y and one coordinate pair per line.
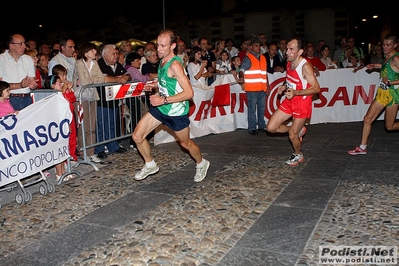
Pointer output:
x,y
250,210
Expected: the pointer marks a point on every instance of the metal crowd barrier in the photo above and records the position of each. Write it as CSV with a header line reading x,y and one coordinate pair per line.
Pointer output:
x,y
126,110
38,95
41,94
24,195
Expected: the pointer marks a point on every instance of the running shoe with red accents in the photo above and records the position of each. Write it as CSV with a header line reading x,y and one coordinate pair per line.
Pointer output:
x,y
357,151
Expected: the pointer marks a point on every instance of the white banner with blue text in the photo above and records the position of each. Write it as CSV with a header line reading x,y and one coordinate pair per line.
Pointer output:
x,y
35,139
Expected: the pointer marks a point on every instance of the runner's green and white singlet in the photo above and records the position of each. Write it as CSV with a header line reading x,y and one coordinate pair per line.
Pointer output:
x,y
387,71
168,87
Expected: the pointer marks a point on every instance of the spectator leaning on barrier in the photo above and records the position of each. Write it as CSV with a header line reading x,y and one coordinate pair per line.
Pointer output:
x,y
55,82
253,73
354,62
133,61
62,72
19,71
235,67
223,65
325,58
108,125
87,71
67,91
196,67
351,48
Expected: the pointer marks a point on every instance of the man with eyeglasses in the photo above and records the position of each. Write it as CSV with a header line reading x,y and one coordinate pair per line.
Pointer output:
x,y
19,71
64,57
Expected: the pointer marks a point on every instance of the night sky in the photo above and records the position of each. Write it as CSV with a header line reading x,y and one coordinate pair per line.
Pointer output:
x,y
65,16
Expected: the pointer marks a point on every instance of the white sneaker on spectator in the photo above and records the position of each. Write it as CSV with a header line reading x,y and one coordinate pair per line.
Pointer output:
x,y
95,159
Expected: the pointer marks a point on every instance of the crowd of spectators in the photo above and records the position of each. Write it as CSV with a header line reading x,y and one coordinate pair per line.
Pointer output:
x,y
26,64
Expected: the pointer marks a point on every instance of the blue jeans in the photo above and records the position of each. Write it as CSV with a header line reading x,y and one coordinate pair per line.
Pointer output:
x,y
19,103
106,128
256,110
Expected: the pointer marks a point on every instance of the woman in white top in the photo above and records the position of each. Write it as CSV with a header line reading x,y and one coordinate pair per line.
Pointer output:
x,y
196,67
325,58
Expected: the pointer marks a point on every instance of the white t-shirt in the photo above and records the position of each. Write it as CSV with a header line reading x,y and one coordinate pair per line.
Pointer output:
x,y
67,62
346,64
193,70
223,66
15,71
234,51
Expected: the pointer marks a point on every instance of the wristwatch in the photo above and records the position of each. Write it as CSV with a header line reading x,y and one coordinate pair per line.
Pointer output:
x,y
165,100
388,83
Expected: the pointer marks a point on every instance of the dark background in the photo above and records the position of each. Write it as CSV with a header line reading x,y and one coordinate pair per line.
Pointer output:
x,y
93,16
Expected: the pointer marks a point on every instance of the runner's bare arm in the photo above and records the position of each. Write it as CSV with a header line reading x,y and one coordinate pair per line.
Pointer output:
x,y
308,74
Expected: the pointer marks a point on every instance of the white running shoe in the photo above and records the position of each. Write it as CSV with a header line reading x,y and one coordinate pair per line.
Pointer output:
x,y
95,159
143,173
201,171
295,159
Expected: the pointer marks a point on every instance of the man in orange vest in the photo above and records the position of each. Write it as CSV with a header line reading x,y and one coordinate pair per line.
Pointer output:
x,y
253,74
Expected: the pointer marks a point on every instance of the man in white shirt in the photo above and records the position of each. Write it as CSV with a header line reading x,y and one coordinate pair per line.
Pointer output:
x,y
181,51
64,57
19,71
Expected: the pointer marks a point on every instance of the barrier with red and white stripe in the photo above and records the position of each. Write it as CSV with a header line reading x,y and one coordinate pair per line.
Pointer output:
x,y
116,92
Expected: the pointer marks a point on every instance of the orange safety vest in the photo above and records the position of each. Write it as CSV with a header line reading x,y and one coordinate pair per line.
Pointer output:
x,y
256,77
